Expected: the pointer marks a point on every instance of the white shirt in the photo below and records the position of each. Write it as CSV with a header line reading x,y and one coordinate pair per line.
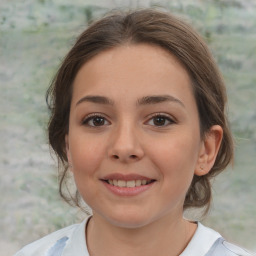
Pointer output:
x,y
71,241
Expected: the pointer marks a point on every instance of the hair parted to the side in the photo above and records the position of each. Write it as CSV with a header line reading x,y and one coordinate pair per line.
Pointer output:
x,y
179,39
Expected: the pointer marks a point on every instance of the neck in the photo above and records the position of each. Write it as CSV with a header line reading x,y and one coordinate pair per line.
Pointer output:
x,y
162,236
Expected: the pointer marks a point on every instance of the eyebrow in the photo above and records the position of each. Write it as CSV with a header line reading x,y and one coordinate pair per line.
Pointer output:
x,y
155,99
96,99
147,100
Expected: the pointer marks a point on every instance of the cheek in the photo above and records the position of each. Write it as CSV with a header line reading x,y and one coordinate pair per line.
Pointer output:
x,y
86,155
175,152
176,160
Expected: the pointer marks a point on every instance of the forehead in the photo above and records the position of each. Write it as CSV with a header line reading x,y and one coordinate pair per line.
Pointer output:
x,y
133,70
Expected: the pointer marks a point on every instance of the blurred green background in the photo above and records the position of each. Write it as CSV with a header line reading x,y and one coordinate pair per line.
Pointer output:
x,y
34,37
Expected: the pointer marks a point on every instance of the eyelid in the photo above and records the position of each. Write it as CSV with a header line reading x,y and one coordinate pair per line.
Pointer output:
x,y
88,117
170,118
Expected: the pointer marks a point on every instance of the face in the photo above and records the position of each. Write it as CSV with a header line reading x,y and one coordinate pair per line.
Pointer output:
x,y
134,138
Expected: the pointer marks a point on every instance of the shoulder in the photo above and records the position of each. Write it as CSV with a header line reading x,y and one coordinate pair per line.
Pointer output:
x,y
201,242
208,242
54,242
222,247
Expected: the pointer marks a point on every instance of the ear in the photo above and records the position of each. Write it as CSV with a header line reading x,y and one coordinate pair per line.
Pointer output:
x,y
209,150
67,150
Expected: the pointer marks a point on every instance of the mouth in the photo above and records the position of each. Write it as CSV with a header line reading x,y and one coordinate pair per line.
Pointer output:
x,y
128,183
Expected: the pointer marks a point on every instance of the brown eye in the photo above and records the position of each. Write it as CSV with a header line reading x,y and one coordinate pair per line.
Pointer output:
x,y
160,120
95,121
98,121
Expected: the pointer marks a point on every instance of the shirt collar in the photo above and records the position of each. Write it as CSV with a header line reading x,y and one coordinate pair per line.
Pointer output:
x,y
201,242
76,245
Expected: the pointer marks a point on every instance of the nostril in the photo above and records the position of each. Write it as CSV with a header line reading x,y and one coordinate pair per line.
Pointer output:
x,y
117,157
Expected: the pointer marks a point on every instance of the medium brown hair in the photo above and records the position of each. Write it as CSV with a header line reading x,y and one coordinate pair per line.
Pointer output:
x,y
179,39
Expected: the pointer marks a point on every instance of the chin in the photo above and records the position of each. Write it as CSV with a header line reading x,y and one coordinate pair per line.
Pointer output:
x,y
129,220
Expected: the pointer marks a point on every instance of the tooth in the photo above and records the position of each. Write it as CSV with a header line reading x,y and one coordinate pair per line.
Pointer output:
x,y
130,184
143,182
121,183
138,183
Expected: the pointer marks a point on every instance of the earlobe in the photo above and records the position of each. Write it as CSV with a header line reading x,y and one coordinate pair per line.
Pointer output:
x,y
209,150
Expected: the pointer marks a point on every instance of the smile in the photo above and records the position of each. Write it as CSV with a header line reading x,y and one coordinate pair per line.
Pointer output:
x,y
129,183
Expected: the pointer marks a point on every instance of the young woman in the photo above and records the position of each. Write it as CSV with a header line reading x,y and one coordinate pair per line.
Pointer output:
x,y
138,117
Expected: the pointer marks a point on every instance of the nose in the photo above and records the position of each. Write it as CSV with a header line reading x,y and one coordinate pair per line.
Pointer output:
x,y
125,145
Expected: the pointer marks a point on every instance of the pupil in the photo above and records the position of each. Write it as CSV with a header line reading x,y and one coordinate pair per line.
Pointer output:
x,y
159,121
98,121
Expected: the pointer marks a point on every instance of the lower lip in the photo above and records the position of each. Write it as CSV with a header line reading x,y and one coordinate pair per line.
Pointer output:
x,y
124,191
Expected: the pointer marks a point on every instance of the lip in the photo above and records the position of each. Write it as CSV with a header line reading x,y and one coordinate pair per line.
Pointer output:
x,y
126,177
125,191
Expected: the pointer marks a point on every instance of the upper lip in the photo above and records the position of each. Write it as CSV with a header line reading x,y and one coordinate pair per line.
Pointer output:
x,y
126,177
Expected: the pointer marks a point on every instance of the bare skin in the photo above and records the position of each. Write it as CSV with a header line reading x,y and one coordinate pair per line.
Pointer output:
x,y
125,242
133,117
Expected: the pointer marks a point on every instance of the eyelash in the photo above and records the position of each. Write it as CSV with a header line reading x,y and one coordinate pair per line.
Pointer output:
x,y
165,116
91,117
95,115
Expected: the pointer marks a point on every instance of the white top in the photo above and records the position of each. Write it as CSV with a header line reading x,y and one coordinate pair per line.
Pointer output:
x,y
71,241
